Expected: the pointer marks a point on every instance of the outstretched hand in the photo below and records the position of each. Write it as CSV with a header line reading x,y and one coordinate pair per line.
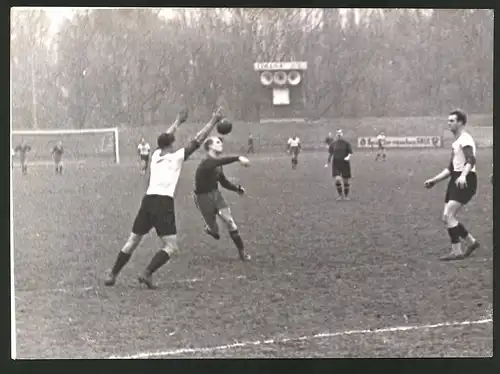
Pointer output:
x,y
244,161
241,190
429,183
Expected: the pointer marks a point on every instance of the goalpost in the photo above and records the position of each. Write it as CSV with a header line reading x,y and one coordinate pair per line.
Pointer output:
x,y
100,145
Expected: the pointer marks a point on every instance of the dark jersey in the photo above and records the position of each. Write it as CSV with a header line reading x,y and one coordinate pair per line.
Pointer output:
x,y
209,174
250,141
339,149
328,140
23,149
57,151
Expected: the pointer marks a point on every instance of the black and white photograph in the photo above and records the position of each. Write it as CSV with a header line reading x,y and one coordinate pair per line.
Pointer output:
x,y
251,183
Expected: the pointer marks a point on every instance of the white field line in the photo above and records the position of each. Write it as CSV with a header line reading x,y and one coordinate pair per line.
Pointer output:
x,y
174,352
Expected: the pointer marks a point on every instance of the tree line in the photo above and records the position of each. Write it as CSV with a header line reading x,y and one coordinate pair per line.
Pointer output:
x,y
135,67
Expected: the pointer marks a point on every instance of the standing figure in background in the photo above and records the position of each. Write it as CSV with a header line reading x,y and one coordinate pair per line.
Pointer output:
x,y
339,154
293,147
57,153
250,144
12,154
328,140
380,146
23,150
144,151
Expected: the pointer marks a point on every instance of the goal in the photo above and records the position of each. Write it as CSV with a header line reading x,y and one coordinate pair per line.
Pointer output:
x,y
80,146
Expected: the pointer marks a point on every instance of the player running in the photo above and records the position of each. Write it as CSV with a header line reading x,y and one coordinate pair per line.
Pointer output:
x,y
144,151
293,147
381,146
157,207
57,153
340,151
461,187
23,150
208,198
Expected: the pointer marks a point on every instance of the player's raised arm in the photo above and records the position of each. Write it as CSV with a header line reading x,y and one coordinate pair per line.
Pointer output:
x,y
179,120
202,135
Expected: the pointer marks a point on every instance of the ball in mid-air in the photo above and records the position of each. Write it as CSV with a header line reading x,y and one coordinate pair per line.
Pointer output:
x,y
224,127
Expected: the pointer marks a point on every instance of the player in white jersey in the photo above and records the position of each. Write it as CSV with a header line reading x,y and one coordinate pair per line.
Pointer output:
x,y
461,187
380,146
294,147
144,151
157,206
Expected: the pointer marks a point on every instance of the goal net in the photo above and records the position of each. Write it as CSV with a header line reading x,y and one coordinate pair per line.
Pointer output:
x,y
80,146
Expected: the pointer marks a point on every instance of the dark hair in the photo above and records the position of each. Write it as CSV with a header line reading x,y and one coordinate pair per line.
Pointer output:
x,y
165,140
461,116
210,141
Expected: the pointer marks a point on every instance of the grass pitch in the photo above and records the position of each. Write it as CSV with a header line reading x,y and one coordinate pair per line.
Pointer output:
x,y
319,266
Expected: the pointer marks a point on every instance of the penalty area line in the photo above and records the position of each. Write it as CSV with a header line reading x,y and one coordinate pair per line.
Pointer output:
x,y
173,352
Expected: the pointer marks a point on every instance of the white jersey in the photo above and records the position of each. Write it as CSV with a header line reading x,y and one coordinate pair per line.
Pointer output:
x,y
144,149
458,158
293,142
381,139
165,172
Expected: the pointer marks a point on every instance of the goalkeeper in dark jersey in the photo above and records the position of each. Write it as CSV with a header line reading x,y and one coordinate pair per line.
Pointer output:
x,y
208,198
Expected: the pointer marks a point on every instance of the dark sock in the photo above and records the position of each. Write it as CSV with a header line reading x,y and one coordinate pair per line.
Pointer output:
x,y
159,259
454,233
462,231
121,260
235,236
346,188
338,185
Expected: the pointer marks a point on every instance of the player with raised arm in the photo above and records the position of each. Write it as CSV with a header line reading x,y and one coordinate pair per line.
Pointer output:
x,y
208,198
293,147
144,151
461,187
157,207
23,150
57,153
339,154
380,146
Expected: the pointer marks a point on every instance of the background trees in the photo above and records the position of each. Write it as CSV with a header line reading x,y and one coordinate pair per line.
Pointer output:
x,y
135,66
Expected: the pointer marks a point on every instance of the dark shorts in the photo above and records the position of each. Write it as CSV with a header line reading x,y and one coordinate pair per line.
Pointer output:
x,y
462,195
145,158
380,146
158,212
295,151
209,204
341,168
